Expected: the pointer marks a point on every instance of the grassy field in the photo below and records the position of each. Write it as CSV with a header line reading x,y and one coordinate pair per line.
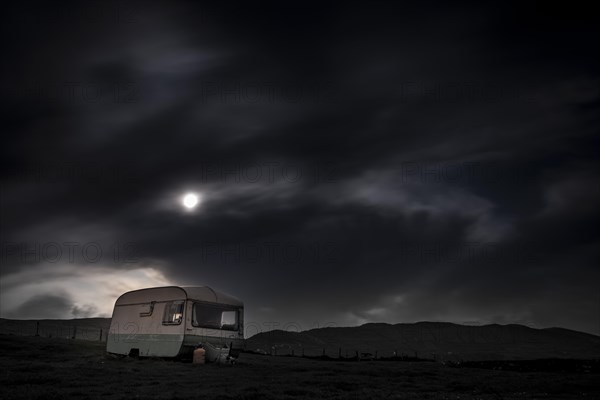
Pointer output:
x,y
56,368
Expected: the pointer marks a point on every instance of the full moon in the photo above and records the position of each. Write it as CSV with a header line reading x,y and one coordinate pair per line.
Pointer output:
x,y
190,201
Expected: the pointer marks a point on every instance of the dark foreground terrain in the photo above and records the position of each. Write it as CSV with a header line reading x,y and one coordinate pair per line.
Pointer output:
x,y
56,368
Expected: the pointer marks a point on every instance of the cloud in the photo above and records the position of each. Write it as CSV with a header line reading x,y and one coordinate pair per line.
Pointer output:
x,y
74,290
48,305
85,311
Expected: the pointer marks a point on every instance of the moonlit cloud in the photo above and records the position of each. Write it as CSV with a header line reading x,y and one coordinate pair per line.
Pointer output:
x,y
80,290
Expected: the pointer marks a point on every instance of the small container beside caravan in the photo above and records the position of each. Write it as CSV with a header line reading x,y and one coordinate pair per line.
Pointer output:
x,y
172,321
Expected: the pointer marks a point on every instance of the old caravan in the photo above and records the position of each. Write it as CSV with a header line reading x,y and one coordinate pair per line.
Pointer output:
x,y
171,321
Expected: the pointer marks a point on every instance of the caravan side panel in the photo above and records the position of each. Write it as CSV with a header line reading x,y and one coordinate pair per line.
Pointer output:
x,y
138,323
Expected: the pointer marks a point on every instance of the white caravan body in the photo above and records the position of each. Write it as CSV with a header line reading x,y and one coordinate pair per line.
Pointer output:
x,y
170,321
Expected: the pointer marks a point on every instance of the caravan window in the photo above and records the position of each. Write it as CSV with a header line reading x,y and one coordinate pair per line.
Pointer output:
x,y
215,316
147,309
173,313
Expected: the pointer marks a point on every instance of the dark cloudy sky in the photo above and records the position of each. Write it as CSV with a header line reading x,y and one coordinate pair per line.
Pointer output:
x,y
355,162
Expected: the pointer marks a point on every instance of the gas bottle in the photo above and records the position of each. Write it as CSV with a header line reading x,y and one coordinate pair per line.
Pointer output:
x,y
199,356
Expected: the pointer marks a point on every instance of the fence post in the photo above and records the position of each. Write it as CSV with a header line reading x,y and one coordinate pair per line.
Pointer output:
x,y
100,334
74,332
37,328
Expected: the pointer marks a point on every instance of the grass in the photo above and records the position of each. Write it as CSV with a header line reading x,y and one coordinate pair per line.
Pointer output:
x,y
43,368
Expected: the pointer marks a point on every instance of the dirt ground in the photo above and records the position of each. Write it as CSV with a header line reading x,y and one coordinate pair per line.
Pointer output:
x,y
43,368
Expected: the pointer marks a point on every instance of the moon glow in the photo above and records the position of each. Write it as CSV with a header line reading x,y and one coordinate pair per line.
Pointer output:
x,y
190,201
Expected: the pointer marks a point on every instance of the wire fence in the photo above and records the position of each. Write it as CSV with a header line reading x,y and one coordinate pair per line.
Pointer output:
x,y
51,329
352,354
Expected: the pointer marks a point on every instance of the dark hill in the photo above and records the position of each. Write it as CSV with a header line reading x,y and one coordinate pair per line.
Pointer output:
x,y
433,339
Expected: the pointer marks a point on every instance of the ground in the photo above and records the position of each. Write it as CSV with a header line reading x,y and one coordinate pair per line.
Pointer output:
x,y
53,368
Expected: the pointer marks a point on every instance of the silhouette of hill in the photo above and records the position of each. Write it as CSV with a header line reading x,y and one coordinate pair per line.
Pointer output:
x,y
440,340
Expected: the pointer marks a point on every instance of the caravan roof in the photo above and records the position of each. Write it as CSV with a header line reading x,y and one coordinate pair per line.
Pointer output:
x,y
166,293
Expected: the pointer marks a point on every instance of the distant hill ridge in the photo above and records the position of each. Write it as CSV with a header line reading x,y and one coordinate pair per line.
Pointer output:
x,y
442,340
